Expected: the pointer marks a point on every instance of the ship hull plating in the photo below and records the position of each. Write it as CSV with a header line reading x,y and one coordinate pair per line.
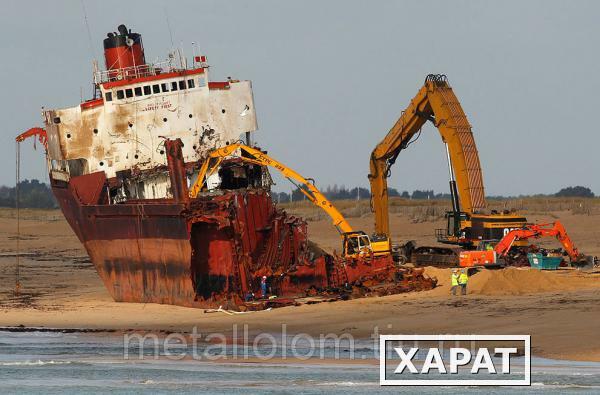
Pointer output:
x,y
209,253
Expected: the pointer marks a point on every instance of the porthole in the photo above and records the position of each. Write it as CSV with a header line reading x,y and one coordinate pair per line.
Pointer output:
x,y
101,163
130,125
190,115
95,131
162,152
68,135
164,119
135,156
223,111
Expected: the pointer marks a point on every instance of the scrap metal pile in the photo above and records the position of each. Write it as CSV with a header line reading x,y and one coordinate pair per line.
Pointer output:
x,y
240,236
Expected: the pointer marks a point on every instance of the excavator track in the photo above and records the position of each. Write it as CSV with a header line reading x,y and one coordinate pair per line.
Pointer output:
x,y
435,256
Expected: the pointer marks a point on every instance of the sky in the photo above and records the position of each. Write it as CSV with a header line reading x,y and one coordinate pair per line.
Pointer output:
x,y
331,77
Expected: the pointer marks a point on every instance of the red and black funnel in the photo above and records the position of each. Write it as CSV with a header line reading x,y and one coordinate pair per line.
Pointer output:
x,y
123,49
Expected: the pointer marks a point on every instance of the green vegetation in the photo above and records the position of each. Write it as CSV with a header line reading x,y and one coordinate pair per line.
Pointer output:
x,y
577,191
343,193
32,194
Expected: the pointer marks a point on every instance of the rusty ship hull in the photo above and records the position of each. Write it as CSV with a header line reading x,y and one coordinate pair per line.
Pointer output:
x,y
208,253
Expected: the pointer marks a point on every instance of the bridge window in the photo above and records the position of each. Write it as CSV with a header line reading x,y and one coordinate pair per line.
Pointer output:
x,y
156,88
108,96
120,95
173,86
147,90
128,93
164,87
138,91
190,84
182,84
201,82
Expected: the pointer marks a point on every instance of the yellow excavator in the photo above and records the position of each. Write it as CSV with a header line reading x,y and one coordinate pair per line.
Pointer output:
x,y
355,244
467,224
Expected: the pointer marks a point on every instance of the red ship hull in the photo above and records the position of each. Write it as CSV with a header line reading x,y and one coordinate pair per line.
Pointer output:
x,y
210,253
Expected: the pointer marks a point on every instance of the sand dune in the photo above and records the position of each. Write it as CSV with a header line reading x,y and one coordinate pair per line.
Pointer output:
x,y
519,281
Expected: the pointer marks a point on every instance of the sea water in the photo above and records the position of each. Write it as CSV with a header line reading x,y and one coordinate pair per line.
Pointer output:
x,y
64,363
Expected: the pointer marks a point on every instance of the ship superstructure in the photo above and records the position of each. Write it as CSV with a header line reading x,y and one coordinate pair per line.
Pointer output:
x,y
139,106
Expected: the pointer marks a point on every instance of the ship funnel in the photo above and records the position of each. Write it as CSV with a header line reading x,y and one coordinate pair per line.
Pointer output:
x,y
123,49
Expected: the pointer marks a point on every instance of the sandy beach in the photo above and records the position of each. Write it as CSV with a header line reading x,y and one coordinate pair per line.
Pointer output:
x,y
60,289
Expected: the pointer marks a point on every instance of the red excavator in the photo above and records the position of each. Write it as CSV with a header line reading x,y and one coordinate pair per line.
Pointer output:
x,y
489,254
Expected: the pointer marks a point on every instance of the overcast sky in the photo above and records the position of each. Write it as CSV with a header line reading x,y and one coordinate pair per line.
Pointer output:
x,y
331,77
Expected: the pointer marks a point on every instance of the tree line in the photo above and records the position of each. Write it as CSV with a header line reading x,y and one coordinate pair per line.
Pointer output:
x,y
36,194
32,194
359,193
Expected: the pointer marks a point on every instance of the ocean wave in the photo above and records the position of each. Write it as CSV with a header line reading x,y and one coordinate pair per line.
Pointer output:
x,y
39,362
347,384
563,386
564,373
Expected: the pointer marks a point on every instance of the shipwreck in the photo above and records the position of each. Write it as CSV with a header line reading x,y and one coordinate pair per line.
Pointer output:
x,y
121,165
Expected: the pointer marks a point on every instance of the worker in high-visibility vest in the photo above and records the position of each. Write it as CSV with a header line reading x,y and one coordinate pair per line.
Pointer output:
x,y
463,279
454,281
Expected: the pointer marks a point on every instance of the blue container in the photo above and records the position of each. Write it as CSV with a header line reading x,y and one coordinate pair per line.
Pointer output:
x,y
541,262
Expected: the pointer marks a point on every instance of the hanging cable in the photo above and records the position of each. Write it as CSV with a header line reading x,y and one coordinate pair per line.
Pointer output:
x,y
169,26
17,255
87,27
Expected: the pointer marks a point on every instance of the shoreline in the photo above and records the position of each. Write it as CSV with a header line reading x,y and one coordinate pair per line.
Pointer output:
x,y
590,357
560,341
61,292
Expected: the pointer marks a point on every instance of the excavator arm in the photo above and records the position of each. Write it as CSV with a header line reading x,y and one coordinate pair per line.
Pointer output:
x,y
437,103
252,155
555,229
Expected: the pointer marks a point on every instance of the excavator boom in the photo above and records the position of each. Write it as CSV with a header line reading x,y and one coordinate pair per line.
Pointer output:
x,y
437,103
306,186
530,231
555,229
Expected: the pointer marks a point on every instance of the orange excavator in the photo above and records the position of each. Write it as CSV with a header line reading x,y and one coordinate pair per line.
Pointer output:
x,y
499,254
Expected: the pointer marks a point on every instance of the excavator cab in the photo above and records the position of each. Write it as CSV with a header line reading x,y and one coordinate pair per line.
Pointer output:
x,y
469,230
455,230
358,243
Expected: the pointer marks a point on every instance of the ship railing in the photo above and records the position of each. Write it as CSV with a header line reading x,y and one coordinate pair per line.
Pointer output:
x,y
142,70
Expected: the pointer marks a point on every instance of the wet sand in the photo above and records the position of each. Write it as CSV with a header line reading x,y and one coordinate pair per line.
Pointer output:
x,y
559,309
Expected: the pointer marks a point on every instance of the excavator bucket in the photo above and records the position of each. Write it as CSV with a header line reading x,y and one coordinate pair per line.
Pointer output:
x,y
587,262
